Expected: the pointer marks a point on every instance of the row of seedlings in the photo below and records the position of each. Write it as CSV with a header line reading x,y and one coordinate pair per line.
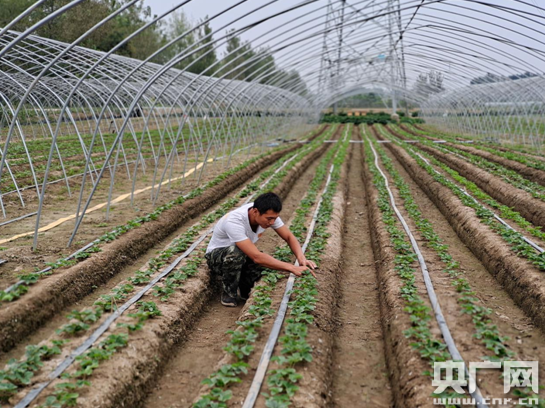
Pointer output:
x,y
526,158
530,161
486,331
430,347
518,244
530,168
484,327
81,321
471,188
515,239
70,146
532,208
295,351
15,291
73,159
517,152
242,340
509,175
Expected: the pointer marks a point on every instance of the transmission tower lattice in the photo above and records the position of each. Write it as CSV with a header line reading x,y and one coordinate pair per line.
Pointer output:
x,y
381,64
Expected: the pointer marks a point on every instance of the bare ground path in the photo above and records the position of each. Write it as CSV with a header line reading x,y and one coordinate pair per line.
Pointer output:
x,y
360,375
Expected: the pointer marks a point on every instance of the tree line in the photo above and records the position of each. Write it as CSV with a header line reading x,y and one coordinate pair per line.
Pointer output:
x,y
238,61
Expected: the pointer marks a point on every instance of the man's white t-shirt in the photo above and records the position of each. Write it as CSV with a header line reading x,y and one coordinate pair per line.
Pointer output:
x,y
234,227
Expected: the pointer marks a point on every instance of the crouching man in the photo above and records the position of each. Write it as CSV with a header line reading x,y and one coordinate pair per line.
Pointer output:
x,y
232,254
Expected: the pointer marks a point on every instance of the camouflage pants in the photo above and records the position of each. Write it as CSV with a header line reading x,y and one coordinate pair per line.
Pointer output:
x,y
235,269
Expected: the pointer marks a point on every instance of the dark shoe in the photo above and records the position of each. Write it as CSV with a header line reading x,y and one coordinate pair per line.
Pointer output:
x,y
244,290
228,301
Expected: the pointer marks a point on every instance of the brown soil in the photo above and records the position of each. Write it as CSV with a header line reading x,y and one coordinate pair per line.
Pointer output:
x,y
359,370
54,293
127,376
48,330
535,175
529,207
52,244
359,320
514,226
524,282
57,205
493,146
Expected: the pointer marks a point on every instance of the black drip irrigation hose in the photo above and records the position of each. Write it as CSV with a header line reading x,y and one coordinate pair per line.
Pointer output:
x,y
440,318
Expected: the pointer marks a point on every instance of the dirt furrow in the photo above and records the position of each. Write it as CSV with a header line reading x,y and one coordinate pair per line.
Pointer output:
x,y
529,207
535,175
360,377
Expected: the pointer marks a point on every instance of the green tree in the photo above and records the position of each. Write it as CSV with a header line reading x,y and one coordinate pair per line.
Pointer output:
x,y
178,24
263,67
206,57
125,24
237,52
291,81
10,9
73,23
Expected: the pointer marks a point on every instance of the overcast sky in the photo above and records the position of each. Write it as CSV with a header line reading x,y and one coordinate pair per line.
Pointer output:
x,y
459,38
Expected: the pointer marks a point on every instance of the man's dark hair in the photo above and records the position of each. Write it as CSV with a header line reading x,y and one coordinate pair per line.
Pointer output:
x,y
268,201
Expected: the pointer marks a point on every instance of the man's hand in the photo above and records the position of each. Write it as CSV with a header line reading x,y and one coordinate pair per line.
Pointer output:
x,y
268,261
304,265
306,262
298,270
